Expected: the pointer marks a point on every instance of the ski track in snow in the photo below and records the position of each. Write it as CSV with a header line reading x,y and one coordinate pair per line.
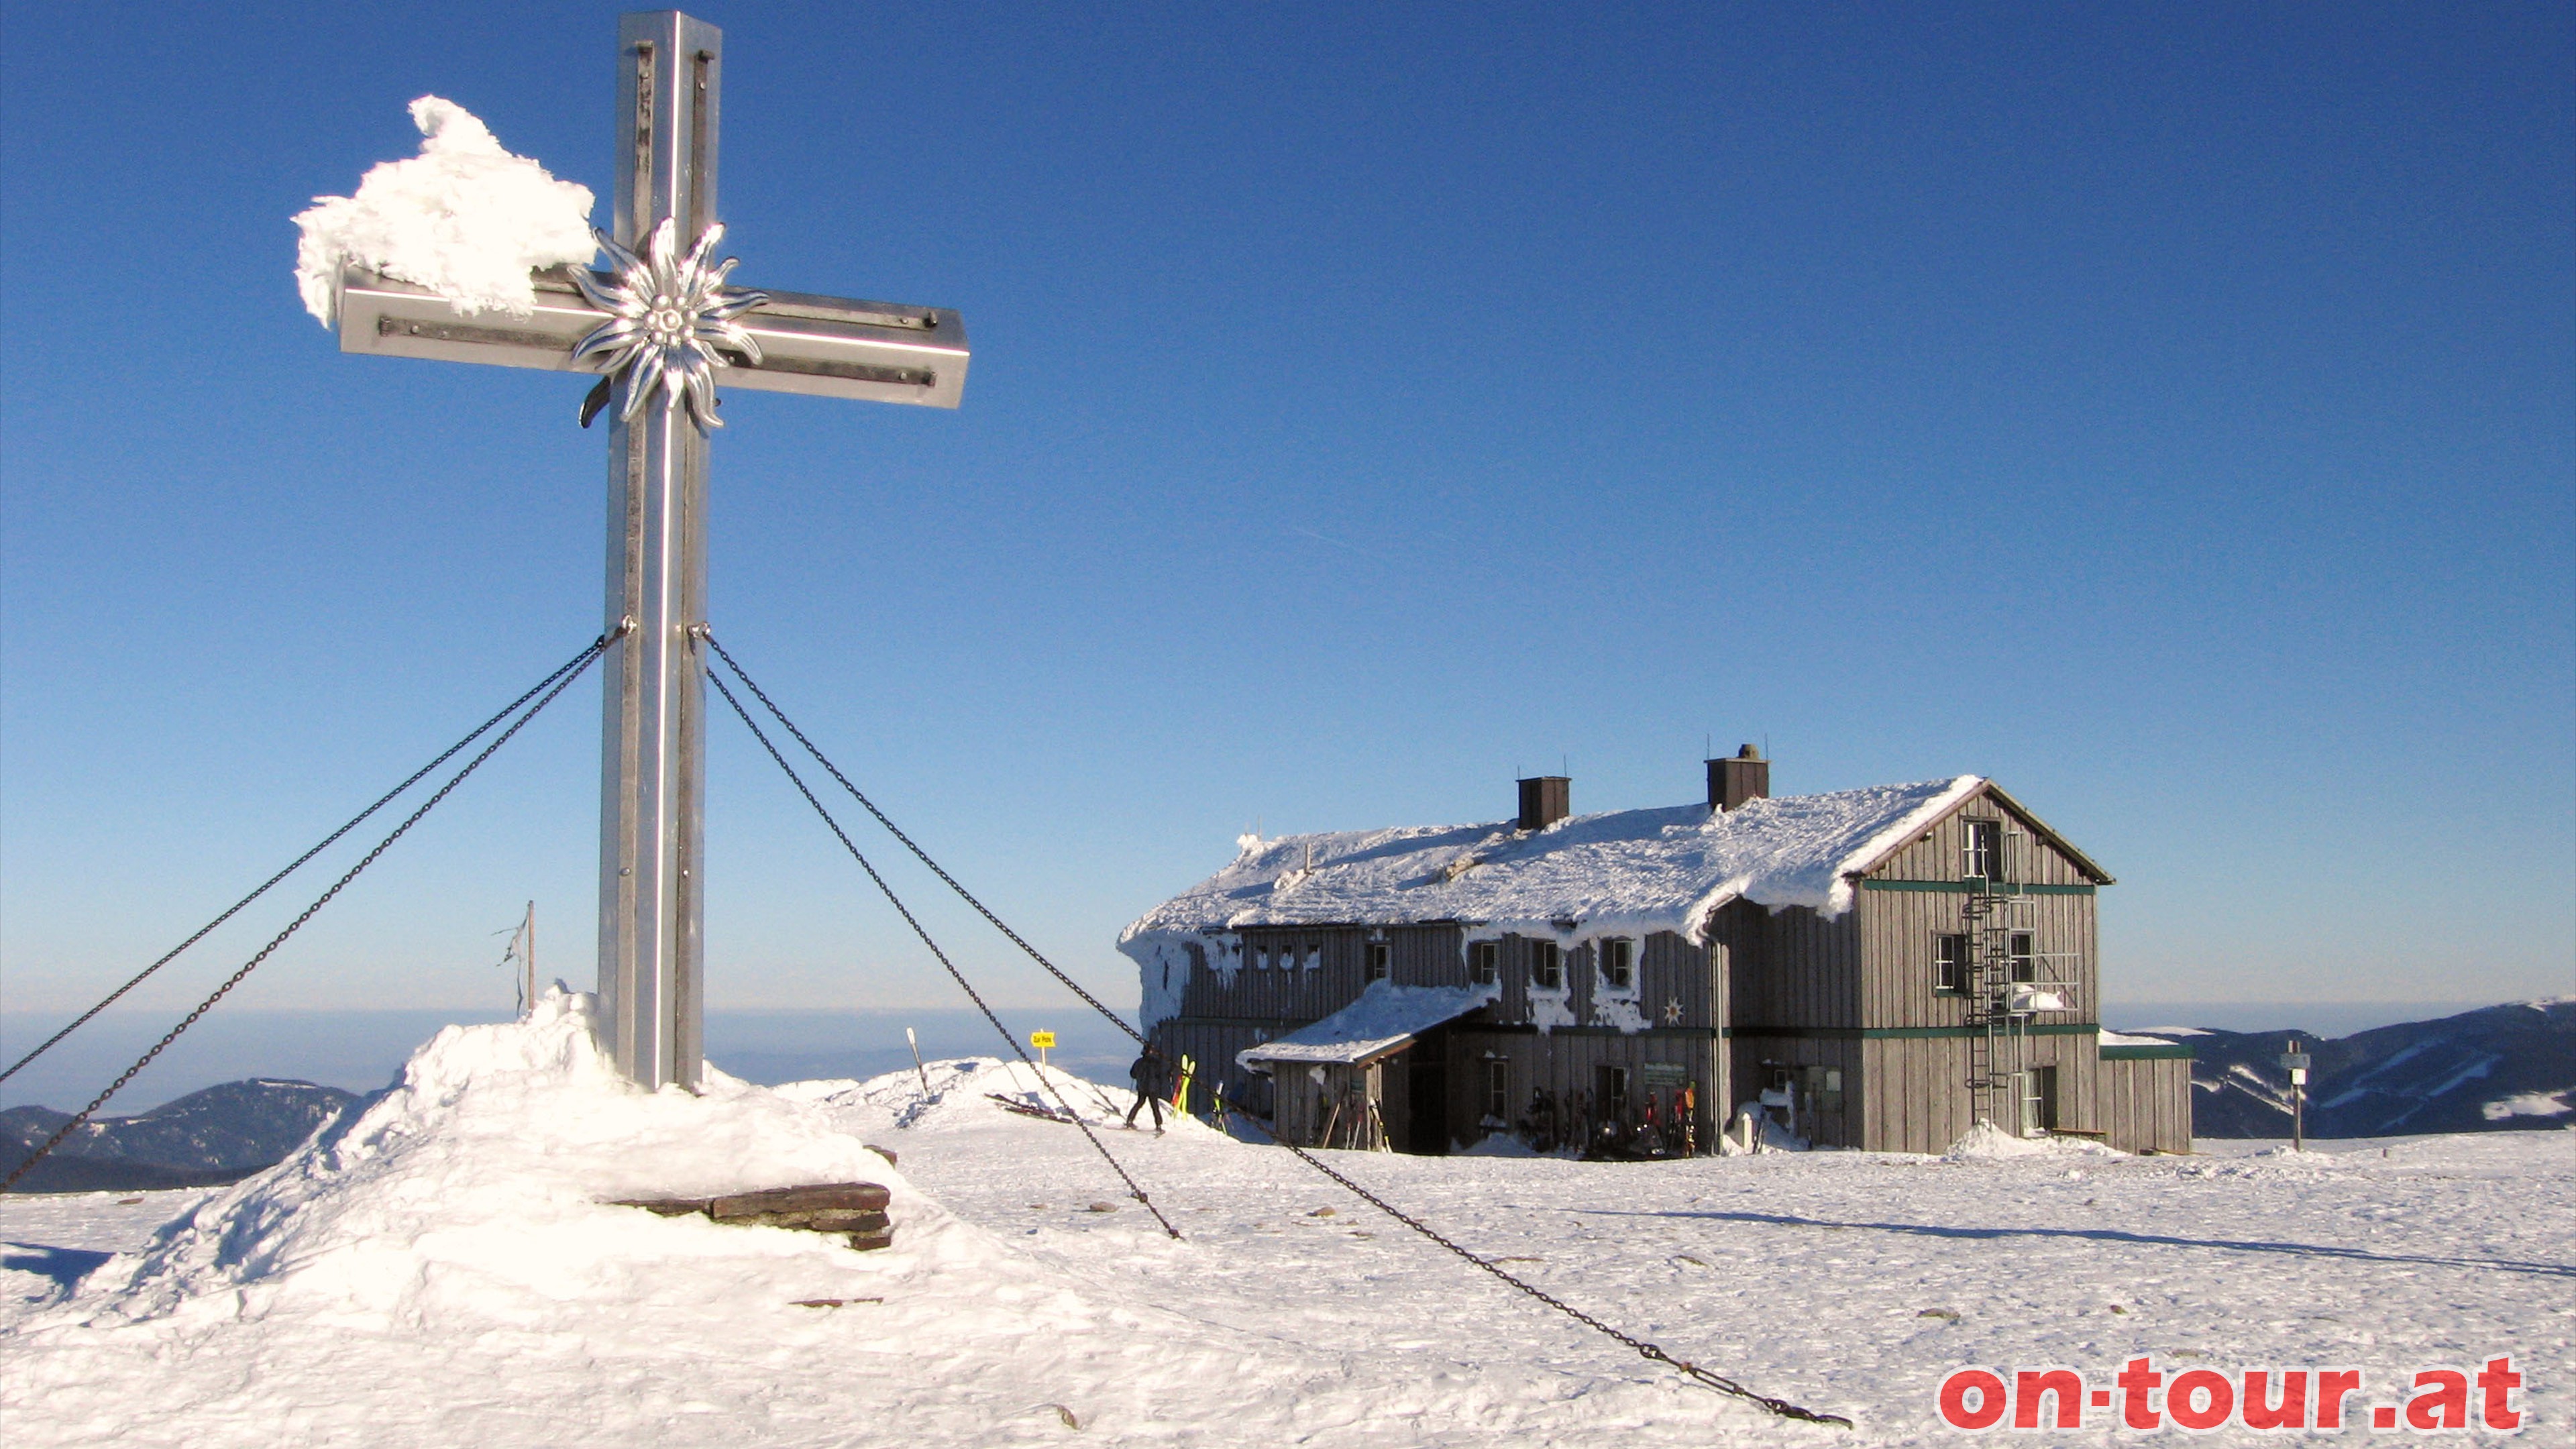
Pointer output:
x,y
1808,1276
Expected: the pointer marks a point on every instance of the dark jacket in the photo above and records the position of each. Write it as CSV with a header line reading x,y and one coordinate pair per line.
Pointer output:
x,y
1151,1072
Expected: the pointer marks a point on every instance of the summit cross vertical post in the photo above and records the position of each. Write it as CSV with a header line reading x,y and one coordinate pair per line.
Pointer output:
x,y
661,326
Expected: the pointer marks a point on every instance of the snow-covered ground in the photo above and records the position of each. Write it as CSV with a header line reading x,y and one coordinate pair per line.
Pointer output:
x,y
441,1274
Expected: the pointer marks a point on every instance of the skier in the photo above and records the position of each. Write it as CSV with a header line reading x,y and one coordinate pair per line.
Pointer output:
x,y
1148,1073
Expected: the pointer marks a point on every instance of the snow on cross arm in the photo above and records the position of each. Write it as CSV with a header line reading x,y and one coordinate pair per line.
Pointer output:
x,y
464,218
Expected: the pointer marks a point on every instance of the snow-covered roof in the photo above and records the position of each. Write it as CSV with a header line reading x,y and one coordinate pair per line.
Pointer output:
x,y
1385,1018
1620,871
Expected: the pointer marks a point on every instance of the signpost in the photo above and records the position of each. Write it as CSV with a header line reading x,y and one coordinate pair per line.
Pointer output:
x,y
662,327
1042,1040
918,1069
2297,1061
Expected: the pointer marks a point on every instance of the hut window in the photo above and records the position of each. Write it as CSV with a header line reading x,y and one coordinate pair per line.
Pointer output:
x,y
1983,848
1483,964
1314,958
1619,963
1547,966
1952,954
1498,1090
1376,962
1823,1088
2025,964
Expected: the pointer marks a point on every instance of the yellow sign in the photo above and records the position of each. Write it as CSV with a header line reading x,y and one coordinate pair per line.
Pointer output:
x,y
1042,1040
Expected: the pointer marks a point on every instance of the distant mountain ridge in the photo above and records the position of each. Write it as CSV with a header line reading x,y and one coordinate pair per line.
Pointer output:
x,y
2510,1067
219,1135
2499,1068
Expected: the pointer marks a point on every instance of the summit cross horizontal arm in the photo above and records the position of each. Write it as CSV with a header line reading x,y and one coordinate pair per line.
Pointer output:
x,y
819,346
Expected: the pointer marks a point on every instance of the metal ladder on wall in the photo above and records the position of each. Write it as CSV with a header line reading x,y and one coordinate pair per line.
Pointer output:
x,y
1999,1066
1995,1055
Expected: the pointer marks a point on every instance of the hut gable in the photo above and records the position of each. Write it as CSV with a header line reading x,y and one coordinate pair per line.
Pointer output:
x,y
1937,847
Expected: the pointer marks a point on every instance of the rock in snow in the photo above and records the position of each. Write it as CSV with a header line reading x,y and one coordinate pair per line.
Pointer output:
x,y
464,218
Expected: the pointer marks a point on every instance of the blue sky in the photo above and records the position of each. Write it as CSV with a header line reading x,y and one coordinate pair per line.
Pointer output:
x,y
2166,410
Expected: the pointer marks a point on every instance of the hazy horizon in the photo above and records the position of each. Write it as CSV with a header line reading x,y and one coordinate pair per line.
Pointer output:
x,y
360,1051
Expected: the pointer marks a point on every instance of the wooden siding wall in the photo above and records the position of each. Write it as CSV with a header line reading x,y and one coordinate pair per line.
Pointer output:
x,y
1918,1098
1757,1057
1563,1063
1212,1045
1261,1004
1416,956
2146,1104
1305,1109
1789,968
1670,972
1899,935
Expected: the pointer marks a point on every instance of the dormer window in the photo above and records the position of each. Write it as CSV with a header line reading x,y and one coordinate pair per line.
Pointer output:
x,y
1374,961
1619,963
1547,966
1484,962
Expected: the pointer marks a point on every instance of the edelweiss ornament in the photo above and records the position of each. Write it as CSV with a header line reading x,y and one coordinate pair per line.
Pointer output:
x,y
668,318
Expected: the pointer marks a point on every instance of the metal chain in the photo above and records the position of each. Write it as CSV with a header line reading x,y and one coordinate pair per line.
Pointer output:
x,y
917,852
597,647
972,994
1724,1385
292,866
1719,1382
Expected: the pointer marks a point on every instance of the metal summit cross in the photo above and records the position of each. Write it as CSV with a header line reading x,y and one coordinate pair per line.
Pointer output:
x,y
659,327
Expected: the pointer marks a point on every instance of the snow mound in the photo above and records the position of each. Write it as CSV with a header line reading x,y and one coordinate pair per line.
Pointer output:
x,y
962,1095
2530,1104
1987,1142
464,218
479,1188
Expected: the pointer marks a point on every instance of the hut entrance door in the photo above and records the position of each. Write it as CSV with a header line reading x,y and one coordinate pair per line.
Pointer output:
x,y
2037,1089
1427,1095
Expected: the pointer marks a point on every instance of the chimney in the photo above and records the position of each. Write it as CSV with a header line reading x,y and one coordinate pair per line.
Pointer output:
x,y
1732,782
1545,800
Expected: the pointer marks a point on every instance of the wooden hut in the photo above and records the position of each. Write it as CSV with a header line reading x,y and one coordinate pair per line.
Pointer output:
x,y
1875,968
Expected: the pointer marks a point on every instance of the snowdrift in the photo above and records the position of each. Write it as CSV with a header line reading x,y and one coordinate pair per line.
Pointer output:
x,y
967,1092
1987,1142
478,1187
